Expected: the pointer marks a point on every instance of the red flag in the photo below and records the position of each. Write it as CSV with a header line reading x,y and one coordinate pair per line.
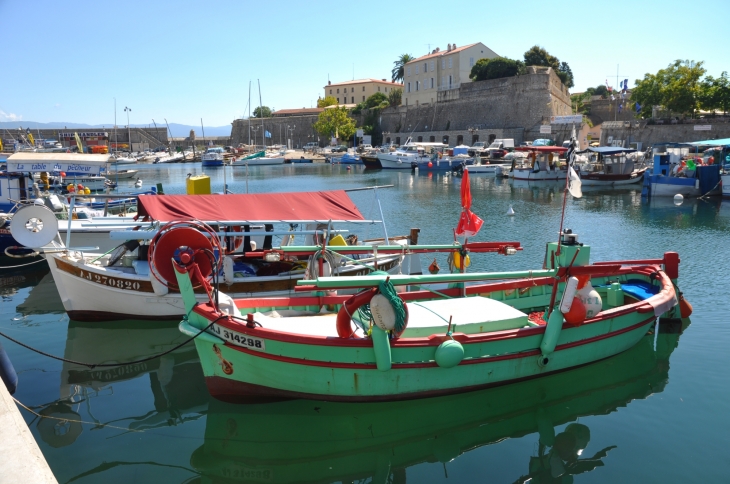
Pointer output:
x,y
469,222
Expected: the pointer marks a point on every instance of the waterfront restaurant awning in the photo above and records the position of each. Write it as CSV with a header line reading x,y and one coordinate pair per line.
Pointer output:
x,y
256,208
608,150
712,142
50,162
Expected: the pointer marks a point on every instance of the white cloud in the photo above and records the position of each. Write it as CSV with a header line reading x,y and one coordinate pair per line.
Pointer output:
x,y
9,116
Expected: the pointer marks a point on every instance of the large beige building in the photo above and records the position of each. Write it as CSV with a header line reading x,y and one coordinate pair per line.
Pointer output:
x,y
353,92
437,76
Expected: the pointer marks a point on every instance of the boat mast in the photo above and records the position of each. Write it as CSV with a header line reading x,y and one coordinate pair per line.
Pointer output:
x,y
261,113
202,128
249,115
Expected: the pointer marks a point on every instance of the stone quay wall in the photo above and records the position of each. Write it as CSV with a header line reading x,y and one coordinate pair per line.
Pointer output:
x,y
650,134
297,128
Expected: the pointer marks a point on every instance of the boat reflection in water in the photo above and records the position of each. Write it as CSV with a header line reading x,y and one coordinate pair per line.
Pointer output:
x,y
312,441
176,379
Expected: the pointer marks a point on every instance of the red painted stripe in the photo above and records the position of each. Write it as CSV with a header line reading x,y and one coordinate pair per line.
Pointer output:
x,y
472,361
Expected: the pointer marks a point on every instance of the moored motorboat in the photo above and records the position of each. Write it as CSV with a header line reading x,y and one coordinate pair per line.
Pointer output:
x,y
675,172
542,163
213,156
609,166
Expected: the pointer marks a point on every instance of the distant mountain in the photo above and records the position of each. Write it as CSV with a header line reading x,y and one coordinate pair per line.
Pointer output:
x,y
178,130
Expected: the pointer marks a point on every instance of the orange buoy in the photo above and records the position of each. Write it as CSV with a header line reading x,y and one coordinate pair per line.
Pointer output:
x,y
577,313
430,164
434,267
685,308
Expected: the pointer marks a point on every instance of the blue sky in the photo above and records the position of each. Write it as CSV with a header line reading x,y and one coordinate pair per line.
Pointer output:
x,y
186,60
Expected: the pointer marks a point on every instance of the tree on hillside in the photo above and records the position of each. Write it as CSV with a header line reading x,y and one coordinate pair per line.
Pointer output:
x,y
580,102
601,90
335,122
400,65
395,96
677,88
495,68
537,56
262,112
715,93
327,101
565,74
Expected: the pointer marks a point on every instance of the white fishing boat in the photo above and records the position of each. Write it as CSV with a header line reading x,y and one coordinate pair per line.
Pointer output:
x,y
115,175
410,154
261,158
130,283
170,158
541,164
609,166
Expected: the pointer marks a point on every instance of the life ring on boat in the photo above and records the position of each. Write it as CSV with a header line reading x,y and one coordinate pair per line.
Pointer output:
x,y
344,315
233,243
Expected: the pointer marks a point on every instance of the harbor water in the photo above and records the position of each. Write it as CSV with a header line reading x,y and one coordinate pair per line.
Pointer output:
x,y
659,412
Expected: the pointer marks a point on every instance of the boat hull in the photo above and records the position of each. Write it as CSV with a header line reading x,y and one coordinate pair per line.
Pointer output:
x,y
609,180
542,175
725,186
260,161
93,293
261,377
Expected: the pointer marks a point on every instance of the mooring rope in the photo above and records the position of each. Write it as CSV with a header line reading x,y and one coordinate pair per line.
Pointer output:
x,y
103,365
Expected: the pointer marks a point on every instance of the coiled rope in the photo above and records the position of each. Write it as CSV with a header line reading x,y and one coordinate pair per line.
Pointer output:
x,y
387,289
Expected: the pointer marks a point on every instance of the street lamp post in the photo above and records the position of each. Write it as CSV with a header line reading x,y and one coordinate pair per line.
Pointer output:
x,y
290,130
255,131
473,130
129,130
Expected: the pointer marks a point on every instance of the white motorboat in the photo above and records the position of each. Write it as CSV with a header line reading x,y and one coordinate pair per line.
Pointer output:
x,y
120,174
609,166
541,164
409,155
170,158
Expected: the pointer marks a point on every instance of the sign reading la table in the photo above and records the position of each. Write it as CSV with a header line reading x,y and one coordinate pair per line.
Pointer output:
x,y
58,166
546,129
573,119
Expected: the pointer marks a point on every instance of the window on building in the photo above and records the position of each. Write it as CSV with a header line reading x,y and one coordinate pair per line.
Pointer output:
x,y
449,81
417,82
363,98
338,91
445,140
378,88
408,71
443,63
420,139
432,83
387,140
409,87
460,139
450,62
330,91
474,139
353,99
345,90
386,89
431,139
492,137
363,89
425,67
416,68
338,100
471,62
397,140
433,66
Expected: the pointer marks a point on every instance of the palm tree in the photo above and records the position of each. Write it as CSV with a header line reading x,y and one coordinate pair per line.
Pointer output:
x,y
399,69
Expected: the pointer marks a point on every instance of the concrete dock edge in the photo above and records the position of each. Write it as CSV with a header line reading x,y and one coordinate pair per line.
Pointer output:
x,y
21,460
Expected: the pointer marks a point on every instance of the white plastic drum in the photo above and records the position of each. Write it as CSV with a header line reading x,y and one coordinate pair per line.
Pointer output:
x,y
34,226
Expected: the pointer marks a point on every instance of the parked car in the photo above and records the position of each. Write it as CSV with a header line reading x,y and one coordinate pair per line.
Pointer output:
x,y
478,148
339,149
311,146
501,147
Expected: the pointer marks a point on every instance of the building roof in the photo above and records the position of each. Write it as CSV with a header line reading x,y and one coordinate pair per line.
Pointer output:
x,y
294,112
360,81
444,52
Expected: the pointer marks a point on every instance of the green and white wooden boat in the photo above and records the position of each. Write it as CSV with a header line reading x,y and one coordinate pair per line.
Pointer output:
x,y
486,329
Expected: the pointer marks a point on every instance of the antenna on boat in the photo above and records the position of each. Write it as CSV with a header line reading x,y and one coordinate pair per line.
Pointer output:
x,y
261,113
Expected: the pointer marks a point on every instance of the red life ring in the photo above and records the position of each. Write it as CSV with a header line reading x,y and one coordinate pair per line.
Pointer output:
x,y
344,316
233,243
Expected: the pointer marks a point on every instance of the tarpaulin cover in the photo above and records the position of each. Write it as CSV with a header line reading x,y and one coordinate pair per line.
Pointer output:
x,y
609,150
264,207
542,149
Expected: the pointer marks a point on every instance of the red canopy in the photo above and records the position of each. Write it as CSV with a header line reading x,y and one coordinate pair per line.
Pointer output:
x,y
261,207
469,222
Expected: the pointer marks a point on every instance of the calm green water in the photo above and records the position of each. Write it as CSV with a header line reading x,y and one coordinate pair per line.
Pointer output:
x,y
657,413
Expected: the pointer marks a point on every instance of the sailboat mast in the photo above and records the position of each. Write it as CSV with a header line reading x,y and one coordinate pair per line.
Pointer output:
x,y
261,113
203,129
249,113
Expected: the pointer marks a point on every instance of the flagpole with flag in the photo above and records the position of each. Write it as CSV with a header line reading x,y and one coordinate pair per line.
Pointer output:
x,y
572,182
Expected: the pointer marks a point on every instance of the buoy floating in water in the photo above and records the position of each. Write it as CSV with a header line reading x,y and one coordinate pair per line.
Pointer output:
x,y
511,212
678,199
138,183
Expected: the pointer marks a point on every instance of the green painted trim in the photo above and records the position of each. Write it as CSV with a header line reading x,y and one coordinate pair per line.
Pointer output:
x,y
189,330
